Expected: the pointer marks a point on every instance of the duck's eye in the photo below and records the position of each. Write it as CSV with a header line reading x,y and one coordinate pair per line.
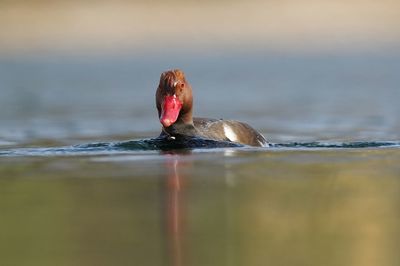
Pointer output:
x,y
181,85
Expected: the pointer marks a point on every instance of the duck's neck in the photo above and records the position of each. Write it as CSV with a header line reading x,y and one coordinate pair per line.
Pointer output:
x,y
185,118
181,129
183,126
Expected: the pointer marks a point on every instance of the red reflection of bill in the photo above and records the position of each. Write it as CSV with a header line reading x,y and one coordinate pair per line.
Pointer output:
x,y
175,209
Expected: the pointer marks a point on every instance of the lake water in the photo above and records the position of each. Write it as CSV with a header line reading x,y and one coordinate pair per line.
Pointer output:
x,y
82,183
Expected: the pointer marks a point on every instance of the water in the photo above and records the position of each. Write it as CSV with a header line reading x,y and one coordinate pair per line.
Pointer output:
x,y
299,97
84,182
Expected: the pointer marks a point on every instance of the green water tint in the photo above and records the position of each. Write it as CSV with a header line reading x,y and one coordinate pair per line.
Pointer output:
x,y
145,202
220,207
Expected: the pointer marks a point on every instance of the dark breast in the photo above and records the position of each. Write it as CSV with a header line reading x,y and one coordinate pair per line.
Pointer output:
x,y
229,130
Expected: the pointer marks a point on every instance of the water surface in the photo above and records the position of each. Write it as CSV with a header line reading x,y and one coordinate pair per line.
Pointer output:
x,y
225,206
83,183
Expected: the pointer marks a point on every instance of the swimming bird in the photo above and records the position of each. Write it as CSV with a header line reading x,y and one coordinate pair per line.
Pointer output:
x,y
174,101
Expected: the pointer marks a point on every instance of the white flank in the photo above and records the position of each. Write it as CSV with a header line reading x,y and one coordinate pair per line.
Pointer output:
x,y
263,144
229,133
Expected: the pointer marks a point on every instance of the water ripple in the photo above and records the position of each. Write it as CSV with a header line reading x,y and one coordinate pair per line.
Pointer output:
x,y
341,145
163,144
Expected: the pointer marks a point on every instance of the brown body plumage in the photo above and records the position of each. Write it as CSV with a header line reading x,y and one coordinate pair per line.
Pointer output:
x,y
174,101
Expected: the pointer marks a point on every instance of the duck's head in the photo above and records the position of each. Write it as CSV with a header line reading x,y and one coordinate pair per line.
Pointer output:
x,y
174,98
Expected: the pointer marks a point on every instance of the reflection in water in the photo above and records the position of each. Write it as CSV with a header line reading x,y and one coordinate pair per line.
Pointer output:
x,y
318,207
316,212
178,229
174,211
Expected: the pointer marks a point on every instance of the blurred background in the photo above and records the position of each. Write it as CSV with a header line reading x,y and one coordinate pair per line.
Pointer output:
x,y
296,70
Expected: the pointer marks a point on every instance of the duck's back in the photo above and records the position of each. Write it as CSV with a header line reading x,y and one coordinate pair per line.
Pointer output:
x,y
229,130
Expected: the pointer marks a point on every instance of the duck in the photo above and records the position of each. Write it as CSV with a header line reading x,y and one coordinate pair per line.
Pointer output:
x,y
174,102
